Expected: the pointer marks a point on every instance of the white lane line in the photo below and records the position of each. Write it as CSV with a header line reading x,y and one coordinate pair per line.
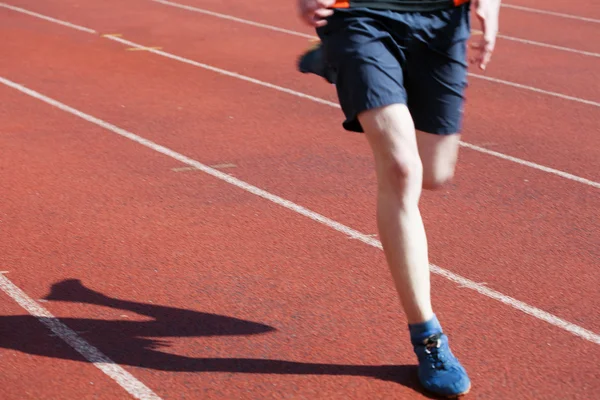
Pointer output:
x,y
296,33
123,378
223,71
532,165
553,13
519,305
117,38
56,21
236,19
551,46
534,89
354,234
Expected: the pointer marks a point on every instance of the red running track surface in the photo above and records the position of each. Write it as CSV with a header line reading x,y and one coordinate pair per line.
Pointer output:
x,y
202,290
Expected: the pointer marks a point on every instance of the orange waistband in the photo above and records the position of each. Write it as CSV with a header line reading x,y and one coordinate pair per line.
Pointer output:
x,y
341,4
346,3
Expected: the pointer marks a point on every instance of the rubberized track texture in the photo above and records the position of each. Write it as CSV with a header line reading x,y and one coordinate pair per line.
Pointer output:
x,y
182,215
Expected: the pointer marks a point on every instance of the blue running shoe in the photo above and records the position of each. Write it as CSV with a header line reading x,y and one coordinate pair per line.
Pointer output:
x,y
440,372
312,62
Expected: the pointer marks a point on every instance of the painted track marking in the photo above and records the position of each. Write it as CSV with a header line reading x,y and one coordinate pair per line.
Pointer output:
x,y
235,19
536,90
47,18
123,378
352,233
553,13
550,46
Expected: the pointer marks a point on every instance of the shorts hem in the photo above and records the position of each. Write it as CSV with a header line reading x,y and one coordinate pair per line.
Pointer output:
x,y
352,123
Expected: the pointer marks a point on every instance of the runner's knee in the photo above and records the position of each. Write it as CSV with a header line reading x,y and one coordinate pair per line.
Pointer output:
x,y
391,134
402,176
434,179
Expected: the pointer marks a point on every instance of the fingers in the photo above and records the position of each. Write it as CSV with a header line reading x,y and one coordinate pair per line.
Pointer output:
x,y
483,53
324,12
488,49
315,20
315,12
318,18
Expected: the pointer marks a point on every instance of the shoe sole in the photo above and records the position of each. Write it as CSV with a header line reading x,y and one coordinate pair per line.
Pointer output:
x,y
456,396
451,396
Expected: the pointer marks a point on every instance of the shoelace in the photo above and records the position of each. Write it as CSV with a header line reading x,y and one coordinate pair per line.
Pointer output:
x,y
432,346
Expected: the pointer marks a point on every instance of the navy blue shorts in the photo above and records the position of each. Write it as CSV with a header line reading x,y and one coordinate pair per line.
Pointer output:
x,y
384,57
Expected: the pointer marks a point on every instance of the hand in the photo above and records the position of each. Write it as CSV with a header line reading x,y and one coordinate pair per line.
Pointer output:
x,y
487,12
314,12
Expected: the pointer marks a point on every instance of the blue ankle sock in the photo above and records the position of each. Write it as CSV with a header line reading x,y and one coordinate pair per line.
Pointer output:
x,y
423,330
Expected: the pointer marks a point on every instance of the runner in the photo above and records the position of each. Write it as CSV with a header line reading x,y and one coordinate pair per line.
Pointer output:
x,y
400,70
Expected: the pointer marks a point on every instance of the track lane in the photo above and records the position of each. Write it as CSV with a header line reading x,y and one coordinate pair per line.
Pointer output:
x,y
558,138
558,31
143,236
559,364
584,8
514,23
511,56
317,161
